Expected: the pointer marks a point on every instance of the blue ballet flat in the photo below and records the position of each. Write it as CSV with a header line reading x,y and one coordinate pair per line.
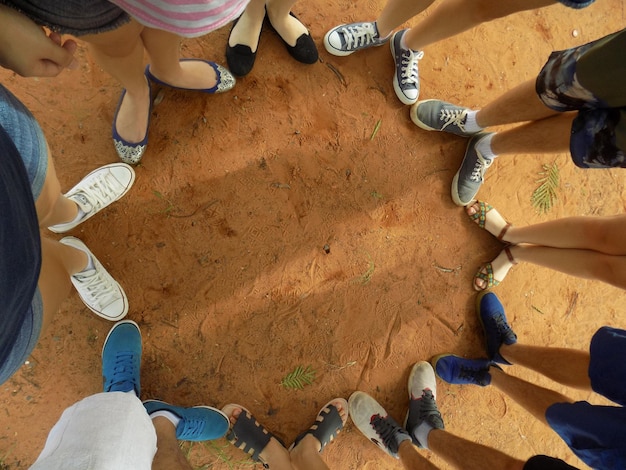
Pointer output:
x,y
225,80
130,152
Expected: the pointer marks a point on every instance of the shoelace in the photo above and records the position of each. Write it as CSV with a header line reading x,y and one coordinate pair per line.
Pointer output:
x,y
453,117
472,374
429,411
192,427
503,328
356,36
479,168
409,71
123,370
100,291
387,432
101,191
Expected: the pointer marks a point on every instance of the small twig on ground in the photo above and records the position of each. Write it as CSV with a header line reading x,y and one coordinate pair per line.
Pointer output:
x,y
572,304
337,73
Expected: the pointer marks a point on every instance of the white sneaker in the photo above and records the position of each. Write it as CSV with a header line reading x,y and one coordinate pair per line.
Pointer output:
x,y
97,190
97,288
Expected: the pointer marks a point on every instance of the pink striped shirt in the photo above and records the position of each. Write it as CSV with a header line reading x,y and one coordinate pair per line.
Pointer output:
x,y
187,18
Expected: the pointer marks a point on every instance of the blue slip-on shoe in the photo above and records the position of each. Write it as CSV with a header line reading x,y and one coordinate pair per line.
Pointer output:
x,y
130,152
225,79
458,370
495,325
121,358
199,423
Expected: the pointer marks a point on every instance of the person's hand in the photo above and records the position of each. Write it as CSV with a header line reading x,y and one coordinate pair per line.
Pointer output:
x,y
27,50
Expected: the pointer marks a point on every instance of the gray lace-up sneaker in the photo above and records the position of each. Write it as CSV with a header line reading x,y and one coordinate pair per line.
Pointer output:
x,y
406,80
345,39
470,176
437,115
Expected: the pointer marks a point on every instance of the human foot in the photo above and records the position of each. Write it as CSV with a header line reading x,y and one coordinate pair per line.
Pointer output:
x,y
488,218
491,274
329,422
194,75
295,35
247,434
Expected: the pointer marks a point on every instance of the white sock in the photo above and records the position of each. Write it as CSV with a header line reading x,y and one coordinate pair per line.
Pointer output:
x,y
171,417
484,147
421,433
471,125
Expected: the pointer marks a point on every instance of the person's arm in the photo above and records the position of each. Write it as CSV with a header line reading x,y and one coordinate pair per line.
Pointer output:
x,y
27,50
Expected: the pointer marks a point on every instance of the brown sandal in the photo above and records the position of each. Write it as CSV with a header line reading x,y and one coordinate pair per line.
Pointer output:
x,y
488,275
480,218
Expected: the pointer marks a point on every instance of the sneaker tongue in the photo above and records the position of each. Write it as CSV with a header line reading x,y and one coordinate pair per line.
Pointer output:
x,y
83,202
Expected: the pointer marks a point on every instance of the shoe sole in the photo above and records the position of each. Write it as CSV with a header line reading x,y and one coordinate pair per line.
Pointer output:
x,y
114,327
90,215
72,242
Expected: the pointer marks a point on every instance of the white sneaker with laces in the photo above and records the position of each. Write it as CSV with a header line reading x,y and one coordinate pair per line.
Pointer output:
x,y
97,190
97,288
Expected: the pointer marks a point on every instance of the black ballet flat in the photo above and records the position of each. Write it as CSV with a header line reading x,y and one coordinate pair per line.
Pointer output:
x,y
305,50
240,57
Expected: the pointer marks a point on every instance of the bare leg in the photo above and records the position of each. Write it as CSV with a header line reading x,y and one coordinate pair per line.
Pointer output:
x,y
58,260
306,455
397,12
516,105
566,366
452,17
120,53
289,28
550,135
602,234
411,459
169,455
536,400
581,263
248,28
467,455
164,51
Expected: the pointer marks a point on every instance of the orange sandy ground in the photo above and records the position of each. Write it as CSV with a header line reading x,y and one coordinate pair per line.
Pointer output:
x,y
219,245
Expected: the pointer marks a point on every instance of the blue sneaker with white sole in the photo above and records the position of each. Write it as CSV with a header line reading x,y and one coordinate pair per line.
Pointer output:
x,y
199,423
460,371
495,325
121,358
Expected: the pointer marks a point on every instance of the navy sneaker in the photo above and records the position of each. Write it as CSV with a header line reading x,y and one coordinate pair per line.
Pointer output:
x,y
468,180
121,358
200,423
345,39
495,326
375,423
458,370
422,406
406,80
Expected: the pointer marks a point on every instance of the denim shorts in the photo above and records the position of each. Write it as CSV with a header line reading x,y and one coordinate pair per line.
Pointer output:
x,y
75,17
593,142
577,4
543,462
596,433
30,142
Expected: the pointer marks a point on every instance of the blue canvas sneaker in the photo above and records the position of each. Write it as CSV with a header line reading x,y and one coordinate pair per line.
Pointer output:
x,y
406,80
345,39
200,423
437,115
495,326
121,358
468,180
458,370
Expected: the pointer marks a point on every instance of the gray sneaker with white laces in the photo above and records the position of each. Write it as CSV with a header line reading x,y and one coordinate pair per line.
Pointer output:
x,y
406,81
470,176
437,115
345,39
97,190
97,288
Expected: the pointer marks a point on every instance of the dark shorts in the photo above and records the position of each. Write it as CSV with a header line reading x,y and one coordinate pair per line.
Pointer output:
x,y
543,462
75,17
592,144
596,433
21,326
